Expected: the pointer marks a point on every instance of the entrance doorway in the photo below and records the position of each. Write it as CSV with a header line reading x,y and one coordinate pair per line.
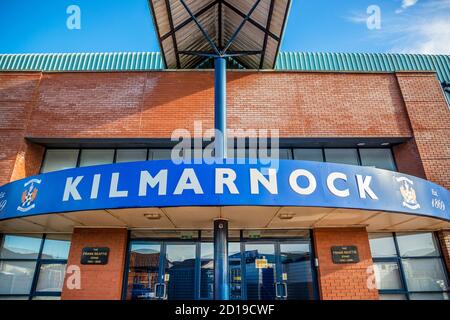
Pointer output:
x,y
259,269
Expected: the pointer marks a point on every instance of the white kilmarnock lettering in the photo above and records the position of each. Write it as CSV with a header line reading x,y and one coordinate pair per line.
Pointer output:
x,y
188,181
256,178
113,191
226,177
226,180
95,186
71,188
147,180
364,187
330,184
312,183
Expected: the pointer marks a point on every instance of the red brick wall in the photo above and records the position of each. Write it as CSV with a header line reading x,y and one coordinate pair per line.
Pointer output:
x,y
98,282
153,104
429,116
343,281
444,239
408,160
18,94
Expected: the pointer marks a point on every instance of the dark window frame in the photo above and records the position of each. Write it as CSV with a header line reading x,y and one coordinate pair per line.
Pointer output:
x,y
37,270
291,153
398,260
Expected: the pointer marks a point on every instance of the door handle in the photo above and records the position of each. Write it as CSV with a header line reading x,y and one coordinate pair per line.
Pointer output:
x,y
164,295
277,294
285,290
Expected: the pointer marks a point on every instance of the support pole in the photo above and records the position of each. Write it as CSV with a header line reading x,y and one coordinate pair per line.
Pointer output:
x,y
221,283
220,106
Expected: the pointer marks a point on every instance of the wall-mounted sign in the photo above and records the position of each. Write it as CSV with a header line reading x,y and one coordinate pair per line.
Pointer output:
x,y
96,256
261,264
344,254
166,184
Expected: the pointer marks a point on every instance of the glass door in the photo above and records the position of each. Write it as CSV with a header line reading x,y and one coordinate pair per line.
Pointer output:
x,y
275,270
297,281
260,271
144,270
177,281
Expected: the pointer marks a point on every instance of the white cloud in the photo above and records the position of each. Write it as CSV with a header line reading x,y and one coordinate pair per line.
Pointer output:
x,y
405,5
431,37
423,29
408,3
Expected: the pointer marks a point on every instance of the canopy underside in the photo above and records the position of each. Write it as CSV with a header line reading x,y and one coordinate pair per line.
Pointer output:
x,y
241,217
253,39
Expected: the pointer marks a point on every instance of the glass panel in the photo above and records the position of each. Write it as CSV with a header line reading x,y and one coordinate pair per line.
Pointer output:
x,y
180,271
382,245
207,271
143,271
233,235
93,157
387,275
13,298
59,160
378,158
296,270
165,234
283,154
345,156
260,271
46,298
392,296
234,258
429,296
308,154
131,155
417,244
160,154
51,278
20,246
270,234
425,274
56,246
16,277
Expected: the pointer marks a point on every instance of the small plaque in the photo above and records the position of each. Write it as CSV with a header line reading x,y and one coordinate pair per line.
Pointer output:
x,y
345,254
261,264
95,256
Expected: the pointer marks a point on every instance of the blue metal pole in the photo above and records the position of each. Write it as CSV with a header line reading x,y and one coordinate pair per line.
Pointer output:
x,y
221,283
220,106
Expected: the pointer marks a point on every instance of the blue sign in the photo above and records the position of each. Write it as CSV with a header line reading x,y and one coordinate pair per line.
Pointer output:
x,y
165,184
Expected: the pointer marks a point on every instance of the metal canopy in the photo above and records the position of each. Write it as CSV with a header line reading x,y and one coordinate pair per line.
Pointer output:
x,y
192,31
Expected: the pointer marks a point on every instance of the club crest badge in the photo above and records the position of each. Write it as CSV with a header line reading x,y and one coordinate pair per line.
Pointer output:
x,y
3,201
29,195
408,193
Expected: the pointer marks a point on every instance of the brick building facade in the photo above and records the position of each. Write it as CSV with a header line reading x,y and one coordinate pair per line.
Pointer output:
x,y
408,110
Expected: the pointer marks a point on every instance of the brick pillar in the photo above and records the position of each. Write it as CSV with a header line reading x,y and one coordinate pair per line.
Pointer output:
x,y
98,282
429,117
444,239
28,161
343,281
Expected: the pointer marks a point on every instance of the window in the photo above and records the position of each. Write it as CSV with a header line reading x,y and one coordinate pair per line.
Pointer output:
x,y
130,155
33,266
59,160
344,156
93,157
378,158
308,154
409,266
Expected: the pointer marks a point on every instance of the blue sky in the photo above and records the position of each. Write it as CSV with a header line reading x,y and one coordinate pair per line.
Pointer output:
x,y
406,26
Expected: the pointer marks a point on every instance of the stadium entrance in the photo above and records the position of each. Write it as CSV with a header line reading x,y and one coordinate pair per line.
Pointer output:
x,y
263,265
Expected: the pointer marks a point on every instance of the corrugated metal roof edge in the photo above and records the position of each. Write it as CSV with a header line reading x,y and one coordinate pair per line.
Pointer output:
x,y
301,61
